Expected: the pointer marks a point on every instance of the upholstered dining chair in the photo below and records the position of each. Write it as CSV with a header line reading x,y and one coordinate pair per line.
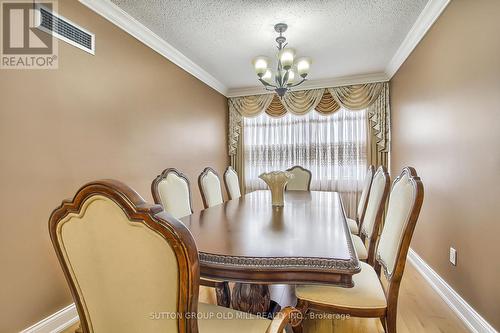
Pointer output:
x,y
172,190
132,267
369,297
210,188
301,180
354,224
232,183
365,243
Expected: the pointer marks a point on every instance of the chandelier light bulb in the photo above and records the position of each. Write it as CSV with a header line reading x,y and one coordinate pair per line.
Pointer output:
x,y
287,57
260,65
291,77
267,76
303,66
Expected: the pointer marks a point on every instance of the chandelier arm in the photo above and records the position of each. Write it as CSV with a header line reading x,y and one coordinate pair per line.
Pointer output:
x,y
267,84
285,78
279,78
278,81
296,84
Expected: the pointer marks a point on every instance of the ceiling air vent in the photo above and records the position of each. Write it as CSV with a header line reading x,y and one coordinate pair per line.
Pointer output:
x,y
64,29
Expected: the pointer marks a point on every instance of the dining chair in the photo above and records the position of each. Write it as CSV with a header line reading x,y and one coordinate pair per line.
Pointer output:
x,y
369,297
354,224
232,183
132,267
301,180
373,216
210,188
172,190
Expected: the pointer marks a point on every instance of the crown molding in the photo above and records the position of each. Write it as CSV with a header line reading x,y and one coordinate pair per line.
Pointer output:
x,y
123,20
424,22
314,84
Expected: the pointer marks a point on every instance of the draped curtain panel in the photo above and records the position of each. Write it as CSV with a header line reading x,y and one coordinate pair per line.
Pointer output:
x,y
301,102
248,106
372,97
356,97
334,148
276,108
327,105
379,113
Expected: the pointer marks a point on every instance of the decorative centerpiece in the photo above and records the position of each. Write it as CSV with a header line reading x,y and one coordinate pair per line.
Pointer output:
x,y
277,180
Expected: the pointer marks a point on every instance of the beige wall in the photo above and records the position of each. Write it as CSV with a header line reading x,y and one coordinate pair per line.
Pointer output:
x,y
125,113
446,123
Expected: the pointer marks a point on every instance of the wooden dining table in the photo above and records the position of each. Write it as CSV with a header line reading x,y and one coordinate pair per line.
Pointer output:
x,y
252,243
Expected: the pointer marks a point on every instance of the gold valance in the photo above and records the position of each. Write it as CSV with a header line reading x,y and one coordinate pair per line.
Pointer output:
x,y
371,96
251,106
327,105
301,102
276,108
358,96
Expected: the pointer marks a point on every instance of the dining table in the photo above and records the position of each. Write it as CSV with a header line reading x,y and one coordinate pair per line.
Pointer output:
x,y
254,244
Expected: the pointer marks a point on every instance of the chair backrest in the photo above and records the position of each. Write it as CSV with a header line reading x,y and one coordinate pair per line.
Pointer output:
x,y
232,183
301,180
171,189
125,260
210,188
404,205
374,210
365,193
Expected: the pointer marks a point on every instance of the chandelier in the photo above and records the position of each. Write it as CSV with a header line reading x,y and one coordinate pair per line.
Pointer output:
x,y
288,69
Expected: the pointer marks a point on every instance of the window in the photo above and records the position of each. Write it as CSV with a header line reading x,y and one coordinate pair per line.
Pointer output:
x,y
333,148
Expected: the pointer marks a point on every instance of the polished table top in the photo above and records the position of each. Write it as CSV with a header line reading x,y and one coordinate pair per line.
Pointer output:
x,y
247,239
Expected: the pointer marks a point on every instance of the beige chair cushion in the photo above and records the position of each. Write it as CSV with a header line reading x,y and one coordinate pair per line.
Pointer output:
x,y
359,247
174,195
210,184
399,209
367,292
364,193
110,261
210,280
233,185
353,226
300,180
374,202
217,319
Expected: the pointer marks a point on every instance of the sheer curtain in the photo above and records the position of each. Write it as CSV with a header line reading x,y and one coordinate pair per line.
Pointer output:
x,y
333,148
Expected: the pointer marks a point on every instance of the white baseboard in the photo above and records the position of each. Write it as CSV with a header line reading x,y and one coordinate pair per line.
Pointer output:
x,y
56,322
463,310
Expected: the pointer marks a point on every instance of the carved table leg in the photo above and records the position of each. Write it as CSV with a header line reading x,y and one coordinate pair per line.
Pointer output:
x,y
302,308
223,294
252,298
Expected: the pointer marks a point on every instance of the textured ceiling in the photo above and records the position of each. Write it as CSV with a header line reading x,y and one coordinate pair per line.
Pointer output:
x,y
343,37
